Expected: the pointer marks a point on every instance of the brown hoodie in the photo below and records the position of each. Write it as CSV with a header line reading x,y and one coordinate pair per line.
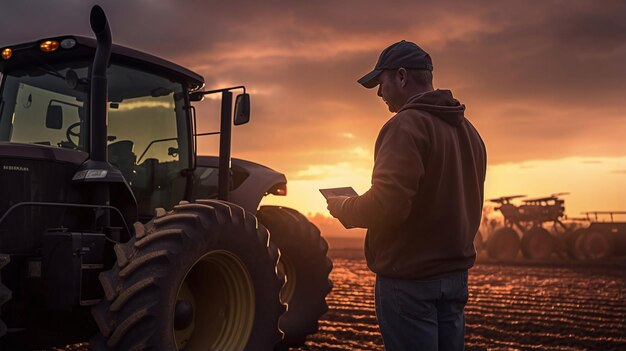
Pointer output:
x,y
425,203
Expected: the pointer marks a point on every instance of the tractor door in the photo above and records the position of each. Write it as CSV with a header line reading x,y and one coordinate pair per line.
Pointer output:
x,y
148,136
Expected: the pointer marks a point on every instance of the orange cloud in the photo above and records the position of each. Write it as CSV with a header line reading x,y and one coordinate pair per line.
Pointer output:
x,y
541,82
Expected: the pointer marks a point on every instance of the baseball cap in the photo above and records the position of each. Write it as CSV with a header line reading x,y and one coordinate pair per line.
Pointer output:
x,y
401,54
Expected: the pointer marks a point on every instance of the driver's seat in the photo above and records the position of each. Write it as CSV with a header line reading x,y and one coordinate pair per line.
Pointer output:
x,y
121,156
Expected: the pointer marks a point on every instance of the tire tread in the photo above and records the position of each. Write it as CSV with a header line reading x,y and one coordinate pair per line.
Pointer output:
x,y
290,228
135,285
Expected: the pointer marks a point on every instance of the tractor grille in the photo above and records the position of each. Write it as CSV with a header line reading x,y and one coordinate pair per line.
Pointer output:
x,y
31,180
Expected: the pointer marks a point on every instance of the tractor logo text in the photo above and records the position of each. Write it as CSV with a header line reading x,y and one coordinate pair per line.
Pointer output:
x,y
15,168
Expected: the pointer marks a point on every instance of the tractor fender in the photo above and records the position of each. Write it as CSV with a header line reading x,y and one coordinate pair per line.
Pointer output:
x,y
250,181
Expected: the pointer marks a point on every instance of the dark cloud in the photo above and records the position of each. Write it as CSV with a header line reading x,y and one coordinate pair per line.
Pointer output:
x,y
571,57
541,80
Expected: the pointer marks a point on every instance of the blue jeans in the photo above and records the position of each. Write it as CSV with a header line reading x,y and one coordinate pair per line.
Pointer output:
x,y
422,314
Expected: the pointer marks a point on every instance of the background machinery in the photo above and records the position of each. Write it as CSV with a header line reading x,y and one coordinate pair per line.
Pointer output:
x,y
113,230
604,237
524,227
539,228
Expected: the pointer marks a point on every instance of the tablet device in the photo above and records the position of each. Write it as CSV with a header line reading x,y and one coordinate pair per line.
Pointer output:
x,y
344,191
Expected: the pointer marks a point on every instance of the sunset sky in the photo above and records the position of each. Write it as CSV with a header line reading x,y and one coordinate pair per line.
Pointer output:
x,y
543,82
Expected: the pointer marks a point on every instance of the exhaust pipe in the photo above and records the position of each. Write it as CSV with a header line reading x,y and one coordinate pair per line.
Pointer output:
x,y
99,87
98,158
97,173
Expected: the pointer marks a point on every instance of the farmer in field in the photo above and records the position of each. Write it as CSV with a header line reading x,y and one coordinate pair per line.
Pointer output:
x,y
423,208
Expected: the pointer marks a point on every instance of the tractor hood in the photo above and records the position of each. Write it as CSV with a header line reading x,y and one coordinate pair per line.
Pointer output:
x,y
249,181
33,173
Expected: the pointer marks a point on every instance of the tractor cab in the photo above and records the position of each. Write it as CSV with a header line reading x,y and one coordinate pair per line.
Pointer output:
x,y
45,103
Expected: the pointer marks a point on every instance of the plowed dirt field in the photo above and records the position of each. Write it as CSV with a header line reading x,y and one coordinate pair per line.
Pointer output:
x,y
519,306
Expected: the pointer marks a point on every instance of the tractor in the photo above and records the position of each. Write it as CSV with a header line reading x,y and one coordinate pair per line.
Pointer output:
x,y
114,230
524,227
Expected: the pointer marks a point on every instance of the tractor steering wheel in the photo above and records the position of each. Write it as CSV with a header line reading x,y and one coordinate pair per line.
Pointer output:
x,y
69,133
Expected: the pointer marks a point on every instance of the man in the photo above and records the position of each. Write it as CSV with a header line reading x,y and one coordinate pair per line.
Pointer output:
x,y
423,208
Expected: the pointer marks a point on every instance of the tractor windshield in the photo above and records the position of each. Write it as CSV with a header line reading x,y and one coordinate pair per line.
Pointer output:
x,y
48,104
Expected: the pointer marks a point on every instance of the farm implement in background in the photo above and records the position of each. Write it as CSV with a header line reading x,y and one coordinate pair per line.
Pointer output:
x,y
604,237
539,228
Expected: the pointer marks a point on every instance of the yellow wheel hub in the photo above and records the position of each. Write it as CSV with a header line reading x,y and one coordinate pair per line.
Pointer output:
x,y
214,305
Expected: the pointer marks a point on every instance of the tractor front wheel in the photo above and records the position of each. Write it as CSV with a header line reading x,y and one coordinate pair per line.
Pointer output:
x,y
201,277
304,262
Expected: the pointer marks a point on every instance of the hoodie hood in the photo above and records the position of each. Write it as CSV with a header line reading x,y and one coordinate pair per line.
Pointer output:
x,y
440,103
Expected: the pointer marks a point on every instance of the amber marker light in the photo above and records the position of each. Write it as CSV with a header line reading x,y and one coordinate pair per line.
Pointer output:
x,y
279,189
49,45
6,53
282,191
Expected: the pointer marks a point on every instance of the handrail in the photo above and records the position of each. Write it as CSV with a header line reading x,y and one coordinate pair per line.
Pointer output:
x,y
56,204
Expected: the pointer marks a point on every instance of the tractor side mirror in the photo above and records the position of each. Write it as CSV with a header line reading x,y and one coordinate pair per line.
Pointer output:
x,y
242,109
196,96
54,117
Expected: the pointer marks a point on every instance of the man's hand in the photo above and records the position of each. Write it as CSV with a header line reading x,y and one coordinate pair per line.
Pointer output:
x,y
335,203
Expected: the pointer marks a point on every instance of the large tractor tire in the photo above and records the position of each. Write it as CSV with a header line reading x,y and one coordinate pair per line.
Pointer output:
x,y
574,242
537,243
596,244
201,277
305,263
503,244
5,293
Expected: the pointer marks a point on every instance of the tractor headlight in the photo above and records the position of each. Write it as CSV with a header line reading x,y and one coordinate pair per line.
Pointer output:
x,y
68,43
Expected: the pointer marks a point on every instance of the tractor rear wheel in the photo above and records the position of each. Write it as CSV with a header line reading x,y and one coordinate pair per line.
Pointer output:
x,y
503,244
5,293
596,244
537,243
574,242
305,263
201,277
